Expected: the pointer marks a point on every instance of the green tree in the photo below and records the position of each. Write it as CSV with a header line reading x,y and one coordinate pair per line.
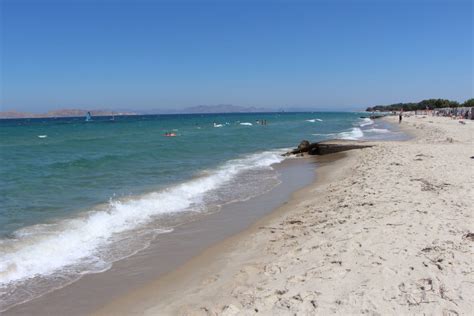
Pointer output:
x,y
422,105
468,103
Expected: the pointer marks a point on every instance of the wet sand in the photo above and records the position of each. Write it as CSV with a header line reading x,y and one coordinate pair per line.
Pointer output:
x,y
384,230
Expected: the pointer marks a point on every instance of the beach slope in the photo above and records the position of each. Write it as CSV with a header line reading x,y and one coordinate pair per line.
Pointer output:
x,y
384,230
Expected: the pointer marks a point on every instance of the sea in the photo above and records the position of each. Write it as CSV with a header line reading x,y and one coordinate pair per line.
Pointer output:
x,y
77,196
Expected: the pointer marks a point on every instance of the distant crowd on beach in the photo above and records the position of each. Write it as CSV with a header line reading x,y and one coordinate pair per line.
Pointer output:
x,y
455,113
466,113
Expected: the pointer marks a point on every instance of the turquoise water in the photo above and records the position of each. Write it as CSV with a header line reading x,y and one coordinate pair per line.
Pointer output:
x,y
71,189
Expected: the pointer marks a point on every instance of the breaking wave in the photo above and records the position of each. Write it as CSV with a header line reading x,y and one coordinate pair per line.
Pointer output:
x,y
366,122
354,134
44,256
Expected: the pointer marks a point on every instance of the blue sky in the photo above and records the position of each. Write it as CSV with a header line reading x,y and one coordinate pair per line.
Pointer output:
x,y
171,54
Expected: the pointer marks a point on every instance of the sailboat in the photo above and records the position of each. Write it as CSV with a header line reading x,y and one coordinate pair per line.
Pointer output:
x,y
88,117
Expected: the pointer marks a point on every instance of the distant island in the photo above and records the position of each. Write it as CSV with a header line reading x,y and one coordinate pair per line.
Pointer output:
x,y
208,109
61,113
220,108
422,105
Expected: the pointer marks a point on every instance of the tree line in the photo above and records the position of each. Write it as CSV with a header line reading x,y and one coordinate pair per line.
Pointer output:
x,y
422,105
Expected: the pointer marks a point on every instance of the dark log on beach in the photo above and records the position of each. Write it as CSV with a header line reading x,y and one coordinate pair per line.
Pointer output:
x,y
376,116
326,147
373,116
304,146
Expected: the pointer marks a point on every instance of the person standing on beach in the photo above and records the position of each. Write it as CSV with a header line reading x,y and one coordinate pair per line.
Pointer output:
x,y
400,117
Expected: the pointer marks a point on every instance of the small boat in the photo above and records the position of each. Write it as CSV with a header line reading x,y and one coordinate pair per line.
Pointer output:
x,y
88,117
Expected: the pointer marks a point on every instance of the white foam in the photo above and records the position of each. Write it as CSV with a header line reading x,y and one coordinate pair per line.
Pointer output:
x,y
366,122
246,124
377,130
42,136
42,250
328,135
354,134
314,120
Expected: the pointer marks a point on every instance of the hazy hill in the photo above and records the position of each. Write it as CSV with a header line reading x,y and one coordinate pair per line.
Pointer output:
x,y
221,108
61,113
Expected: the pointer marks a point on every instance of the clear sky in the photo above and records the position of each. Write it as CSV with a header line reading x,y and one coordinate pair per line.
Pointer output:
x,y
147,54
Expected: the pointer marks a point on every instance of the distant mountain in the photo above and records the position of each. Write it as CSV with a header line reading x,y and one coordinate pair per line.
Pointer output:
x,y
15,114
62,113
221,108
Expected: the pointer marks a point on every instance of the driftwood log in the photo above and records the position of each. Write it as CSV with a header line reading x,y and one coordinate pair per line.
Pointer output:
x,y
326,147
373,116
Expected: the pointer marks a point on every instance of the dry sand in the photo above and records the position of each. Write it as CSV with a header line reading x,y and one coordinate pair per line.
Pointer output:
x,y
384,230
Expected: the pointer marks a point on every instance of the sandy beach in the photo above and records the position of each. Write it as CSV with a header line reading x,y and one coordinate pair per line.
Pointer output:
x,y
383,230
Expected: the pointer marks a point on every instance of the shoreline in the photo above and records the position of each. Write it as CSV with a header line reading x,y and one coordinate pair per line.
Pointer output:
x,y
252,271
214,258
169,250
